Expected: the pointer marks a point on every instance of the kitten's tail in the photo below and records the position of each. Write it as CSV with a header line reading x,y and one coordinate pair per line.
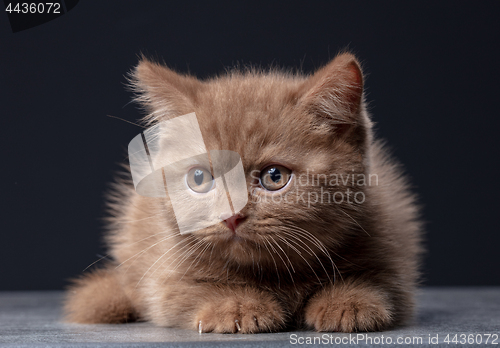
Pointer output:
x,y
98,297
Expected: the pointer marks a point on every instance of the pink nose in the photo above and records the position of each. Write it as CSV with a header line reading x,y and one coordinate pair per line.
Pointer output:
x,y
234,221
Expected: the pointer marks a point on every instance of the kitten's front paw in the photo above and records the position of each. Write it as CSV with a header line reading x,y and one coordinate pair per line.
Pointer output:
x,y
243,315
349,311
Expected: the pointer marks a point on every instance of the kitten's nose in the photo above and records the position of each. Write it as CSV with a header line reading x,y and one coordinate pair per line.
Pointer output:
x,y
234,221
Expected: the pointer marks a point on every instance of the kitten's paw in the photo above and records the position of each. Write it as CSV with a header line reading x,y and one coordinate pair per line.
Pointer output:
x,y
354,310
240,315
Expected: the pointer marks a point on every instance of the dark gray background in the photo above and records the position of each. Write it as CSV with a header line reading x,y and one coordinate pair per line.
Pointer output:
x,y
432,84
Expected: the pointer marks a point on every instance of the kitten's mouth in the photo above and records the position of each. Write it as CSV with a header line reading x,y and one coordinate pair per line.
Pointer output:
x,y
223,233
227,234
233,234
235,237
231,230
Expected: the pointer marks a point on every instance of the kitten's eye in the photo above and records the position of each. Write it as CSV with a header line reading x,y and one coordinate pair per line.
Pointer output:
x,y
275,177
200,180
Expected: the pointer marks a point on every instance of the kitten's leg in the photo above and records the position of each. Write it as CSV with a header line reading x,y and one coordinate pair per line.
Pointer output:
x,y
218,308
350,307
98,297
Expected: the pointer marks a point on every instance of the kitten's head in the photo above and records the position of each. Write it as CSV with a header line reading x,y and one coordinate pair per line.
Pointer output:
x,y
303,143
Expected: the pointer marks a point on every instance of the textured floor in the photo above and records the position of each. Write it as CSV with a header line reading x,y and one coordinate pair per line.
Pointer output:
x,y
32,319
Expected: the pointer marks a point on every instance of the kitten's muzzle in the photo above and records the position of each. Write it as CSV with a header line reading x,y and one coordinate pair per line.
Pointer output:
x,y
234,221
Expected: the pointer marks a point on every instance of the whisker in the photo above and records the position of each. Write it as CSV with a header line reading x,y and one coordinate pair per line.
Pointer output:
x,y
314,254
306,233
127,245
303,258
158,259
319,245
275,265
203,252
184,255
284,263
197,256
121,119
138,254
93,263
355,222
123,221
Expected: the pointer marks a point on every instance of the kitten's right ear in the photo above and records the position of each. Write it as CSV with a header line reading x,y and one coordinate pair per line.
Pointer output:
x,y
163,92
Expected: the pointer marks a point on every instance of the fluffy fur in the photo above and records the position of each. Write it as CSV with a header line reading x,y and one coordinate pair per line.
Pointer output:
x,y
327,266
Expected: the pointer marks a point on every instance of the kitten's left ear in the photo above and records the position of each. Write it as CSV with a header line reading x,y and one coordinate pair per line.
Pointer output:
x,y
336,90
335,95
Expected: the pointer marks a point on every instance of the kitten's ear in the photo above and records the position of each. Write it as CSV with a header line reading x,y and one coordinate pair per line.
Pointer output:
x,y
336,90
163,92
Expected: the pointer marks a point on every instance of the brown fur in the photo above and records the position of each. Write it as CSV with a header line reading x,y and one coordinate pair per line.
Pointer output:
x,y
326,266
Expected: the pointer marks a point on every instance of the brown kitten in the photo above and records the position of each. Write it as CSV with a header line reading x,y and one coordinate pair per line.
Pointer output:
x,y
308,260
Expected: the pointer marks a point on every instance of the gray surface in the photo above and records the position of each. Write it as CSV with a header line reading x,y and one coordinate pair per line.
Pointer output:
x,y
33,319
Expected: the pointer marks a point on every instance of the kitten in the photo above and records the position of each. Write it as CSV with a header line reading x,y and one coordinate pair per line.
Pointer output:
x,y
329,239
